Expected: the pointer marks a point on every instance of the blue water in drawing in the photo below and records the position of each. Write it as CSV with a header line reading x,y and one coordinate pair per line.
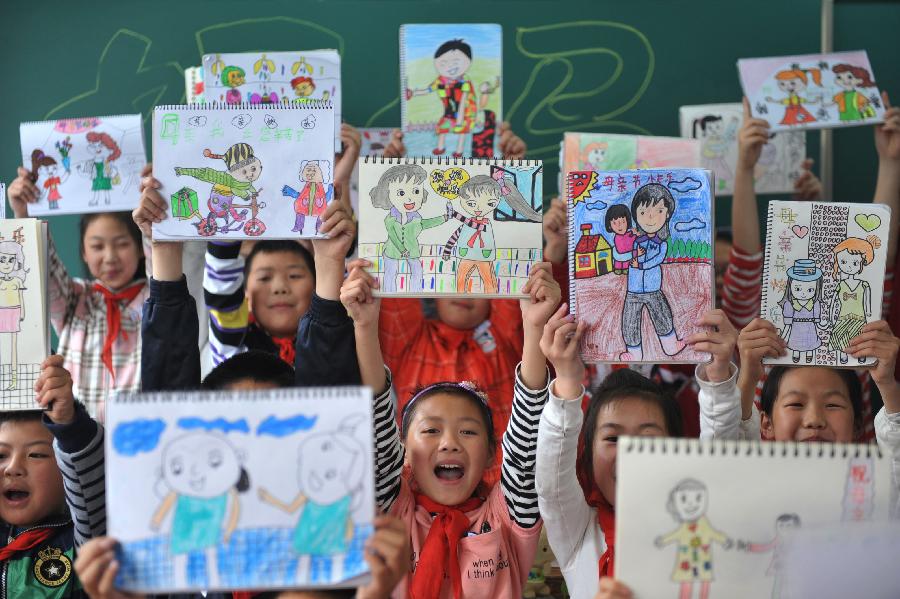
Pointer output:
x,y
254,559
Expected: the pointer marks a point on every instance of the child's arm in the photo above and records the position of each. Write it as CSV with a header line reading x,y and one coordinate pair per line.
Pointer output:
x,y
170,357
97,567
326,350
529,396
512,147
223,292
78,449
395,148
887,189
556,243
345,162
752,137
719,398
757,340
363,308
562,504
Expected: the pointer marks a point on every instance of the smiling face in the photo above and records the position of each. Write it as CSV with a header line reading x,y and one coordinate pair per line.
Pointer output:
x,y
619,225
311,172
8,263
461,313
623,416
849,264
406,195
98,151
200,465
110,252
235,78
803,290
279,288
652,217
304,89
452,64
325,462
597,156
447,447
813,404
847,80
480,204
32,487
690,503
249,172
791,86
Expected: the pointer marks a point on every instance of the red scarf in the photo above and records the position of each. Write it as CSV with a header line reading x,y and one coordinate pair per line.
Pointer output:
x,y
25,541
477,235
114,318
286,348
606,514
439,557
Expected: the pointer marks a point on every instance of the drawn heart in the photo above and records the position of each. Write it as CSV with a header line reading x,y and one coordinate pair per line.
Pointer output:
x,y
447,182
868,222
799,231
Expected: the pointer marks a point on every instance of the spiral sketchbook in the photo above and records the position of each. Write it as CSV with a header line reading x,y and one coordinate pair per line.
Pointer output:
x,y
197,502
640,262
812,91
450,227
243,171
823,277
451,92
266,78
24,322
694,514
716,126
82,165
612,152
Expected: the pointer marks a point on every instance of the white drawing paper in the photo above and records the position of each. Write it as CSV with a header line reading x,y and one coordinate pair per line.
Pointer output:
x,y
193,85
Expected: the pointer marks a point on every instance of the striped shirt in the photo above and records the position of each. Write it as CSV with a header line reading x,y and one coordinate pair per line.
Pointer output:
x,y
519,452
78,314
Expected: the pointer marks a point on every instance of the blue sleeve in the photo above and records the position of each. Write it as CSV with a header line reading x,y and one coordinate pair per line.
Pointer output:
x,y
326,346
652,260
287,190
170,356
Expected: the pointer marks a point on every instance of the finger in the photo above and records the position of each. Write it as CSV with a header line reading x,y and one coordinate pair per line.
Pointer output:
x,y
358,263
108,580
747,113
876,325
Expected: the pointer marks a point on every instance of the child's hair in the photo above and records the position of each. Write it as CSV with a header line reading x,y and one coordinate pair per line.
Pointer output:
x,y
651,195
465,390
688,484
322,165
798,73
133,231
858,72
482,184
479,184
594,145
275,246
704,121
228,71
621,384
451,45
773,382
107,141
794,518
860,247
22,416
296,81
395,174
617,211
253,365
235,157
15,249
39,159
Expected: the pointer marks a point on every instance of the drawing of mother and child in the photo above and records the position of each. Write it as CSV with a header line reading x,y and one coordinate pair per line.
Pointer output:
x,y
401,191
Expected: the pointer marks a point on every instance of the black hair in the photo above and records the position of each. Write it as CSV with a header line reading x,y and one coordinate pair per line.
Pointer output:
x,y
652,194
788,518
703,122
243,483
451,45
617,211
22,416
133,231
621,384
253,365
455,390
279,245
773,382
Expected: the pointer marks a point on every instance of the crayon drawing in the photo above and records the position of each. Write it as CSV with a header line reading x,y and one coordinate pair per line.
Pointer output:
x,y
451,89
201,505
193,85
433,228
84,165
823,277
227,171
641,244
785,524
812,91
266,78
612,152
717,126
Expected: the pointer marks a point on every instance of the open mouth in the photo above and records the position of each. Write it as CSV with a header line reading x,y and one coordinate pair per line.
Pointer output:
x,y
449,472
15,495
409,206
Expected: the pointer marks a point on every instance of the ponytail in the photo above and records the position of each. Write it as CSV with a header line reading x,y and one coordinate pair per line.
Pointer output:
x,y
39,159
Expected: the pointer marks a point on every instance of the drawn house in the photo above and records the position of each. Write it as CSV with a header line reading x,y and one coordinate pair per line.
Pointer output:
x,y
593,255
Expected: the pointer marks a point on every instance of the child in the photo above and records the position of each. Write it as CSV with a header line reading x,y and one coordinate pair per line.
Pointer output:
x,y
618,222
100,168
98,322
851,305
801,308
311,199
793,82
576,493
44,169
461,534
852,104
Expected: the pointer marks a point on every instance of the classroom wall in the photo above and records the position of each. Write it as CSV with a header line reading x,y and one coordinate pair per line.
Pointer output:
x,y
569,64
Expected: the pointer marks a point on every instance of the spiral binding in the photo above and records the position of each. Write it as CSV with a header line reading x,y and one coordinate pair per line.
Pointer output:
x,y
572,233
736,448
403,100
310,105
449,161
764,304
108,116
133,397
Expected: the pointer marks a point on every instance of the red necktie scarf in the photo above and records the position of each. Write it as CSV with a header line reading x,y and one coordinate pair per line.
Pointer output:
x,y
476,236
25,541
439,556
114,318
286,348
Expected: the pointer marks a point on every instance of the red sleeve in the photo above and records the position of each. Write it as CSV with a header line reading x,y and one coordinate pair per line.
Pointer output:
x,y
561,276
506,318
742,289
400,321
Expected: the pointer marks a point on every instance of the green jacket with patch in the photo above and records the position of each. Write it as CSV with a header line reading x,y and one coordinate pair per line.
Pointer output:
x,y
46,571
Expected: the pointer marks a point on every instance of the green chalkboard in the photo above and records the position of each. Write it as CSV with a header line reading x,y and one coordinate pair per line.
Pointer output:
x,y
622,67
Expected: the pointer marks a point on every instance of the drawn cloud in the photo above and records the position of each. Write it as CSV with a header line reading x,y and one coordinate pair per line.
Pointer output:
x,y
282,427
686,185
226,426
136,436
597,205
689,225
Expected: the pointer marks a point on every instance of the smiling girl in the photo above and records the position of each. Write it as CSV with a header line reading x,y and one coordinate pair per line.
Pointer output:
x,y
851,306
